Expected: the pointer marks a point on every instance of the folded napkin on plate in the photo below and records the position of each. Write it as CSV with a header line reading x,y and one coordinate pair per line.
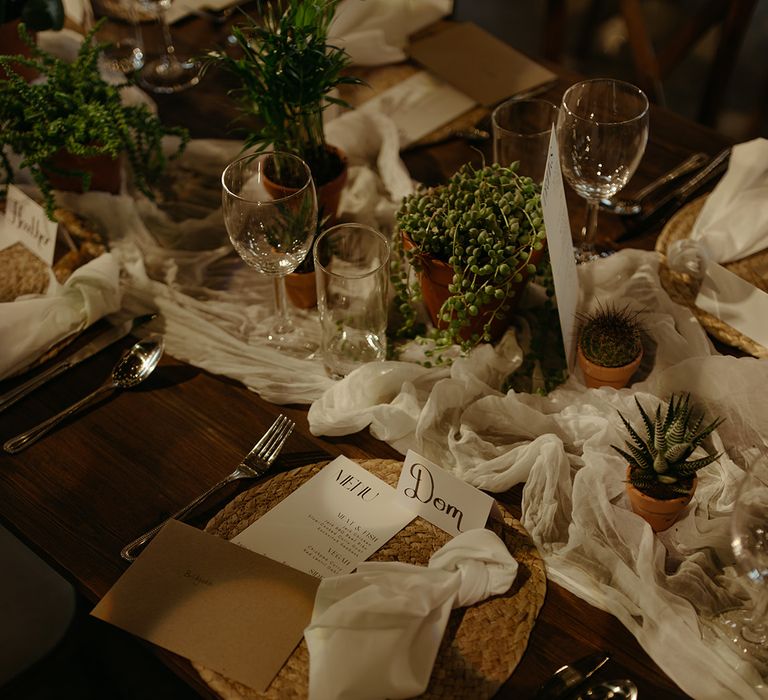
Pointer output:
x,y
375,633
31,325
375,32
734,220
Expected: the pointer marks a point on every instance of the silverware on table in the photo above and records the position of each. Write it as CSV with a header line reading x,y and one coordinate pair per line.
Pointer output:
x,y
101,341
255,464
133,367
621,689
569,677
679,196
631,206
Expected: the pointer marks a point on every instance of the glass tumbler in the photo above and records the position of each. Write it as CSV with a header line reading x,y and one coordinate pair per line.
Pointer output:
x,y
352,277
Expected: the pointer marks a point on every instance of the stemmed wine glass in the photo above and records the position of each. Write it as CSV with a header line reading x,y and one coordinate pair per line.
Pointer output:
x,y
272,227
169,73
602,129
748,628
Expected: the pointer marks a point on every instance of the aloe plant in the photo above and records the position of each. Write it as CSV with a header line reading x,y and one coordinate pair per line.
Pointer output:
x,y
659,463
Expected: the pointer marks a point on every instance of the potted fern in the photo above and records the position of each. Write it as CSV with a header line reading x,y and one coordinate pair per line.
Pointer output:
x,y
71,128
609,348
661,476
473,244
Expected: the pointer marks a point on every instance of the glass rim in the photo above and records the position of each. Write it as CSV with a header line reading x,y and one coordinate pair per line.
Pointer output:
x,y
364,227
537,100
264,155
624,84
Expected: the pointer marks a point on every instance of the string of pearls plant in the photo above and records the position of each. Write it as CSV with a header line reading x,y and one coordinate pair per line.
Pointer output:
x,y
487,224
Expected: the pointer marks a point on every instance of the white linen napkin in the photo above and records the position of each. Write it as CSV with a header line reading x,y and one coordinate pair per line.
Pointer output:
x,y
734,220
375,633
31,325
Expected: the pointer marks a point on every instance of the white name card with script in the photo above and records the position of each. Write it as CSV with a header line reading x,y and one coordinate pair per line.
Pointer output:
x,y
331,523
26,222
440,498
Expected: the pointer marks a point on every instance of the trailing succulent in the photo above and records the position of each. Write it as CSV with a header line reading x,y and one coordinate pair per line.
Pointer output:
x,y
487,224
658,461
610,336
73,109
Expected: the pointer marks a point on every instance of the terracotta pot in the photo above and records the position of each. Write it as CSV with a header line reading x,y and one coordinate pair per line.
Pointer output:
x,y
328,193
106,175
436,275
659,513
301,289
11,44
596,375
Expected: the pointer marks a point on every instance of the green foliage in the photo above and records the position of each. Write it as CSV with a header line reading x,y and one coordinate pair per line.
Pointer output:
x,y
286,70
486,224
610,337
75,110
659,456
37,15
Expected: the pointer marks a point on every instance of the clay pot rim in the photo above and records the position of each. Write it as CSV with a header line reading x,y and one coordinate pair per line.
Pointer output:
x,y
645,497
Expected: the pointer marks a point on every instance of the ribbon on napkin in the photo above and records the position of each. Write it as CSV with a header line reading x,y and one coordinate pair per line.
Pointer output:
x,y
31,325
734,220
375,633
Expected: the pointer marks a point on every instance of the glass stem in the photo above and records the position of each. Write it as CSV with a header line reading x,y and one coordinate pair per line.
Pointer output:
x,y
755,630
170,49
284,323
590,225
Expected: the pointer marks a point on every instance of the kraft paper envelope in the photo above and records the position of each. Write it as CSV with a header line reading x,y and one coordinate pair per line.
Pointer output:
x,y
202,597
479,64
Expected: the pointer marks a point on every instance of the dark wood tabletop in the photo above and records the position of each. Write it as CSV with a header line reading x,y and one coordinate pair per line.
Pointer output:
x,y
95,483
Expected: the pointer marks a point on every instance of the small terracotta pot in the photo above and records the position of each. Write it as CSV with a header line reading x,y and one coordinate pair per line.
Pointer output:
x,y
301,289
434,278
11,44
660,514
596,375
105,172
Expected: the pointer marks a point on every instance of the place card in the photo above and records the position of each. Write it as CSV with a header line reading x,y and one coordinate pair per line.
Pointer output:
x,y
734,301
478,64
197,595
331,523
26,222
441,498
560,246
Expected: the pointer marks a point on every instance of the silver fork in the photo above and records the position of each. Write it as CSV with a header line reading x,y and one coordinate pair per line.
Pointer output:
x,y
254,464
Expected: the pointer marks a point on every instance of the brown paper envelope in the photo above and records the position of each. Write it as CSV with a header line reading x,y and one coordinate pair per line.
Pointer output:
x,y
478,64
213,602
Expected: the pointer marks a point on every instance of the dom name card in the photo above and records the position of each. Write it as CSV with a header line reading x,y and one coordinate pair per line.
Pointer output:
x,y
331,523
27,223
440,498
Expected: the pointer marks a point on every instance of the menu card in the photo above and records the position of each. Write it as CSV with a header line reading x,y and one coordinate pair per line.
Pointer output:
x,y
337,519
195,594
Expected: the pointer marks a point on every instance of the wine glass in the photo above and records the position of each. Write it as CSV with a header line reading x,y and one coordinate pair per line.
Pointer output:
x,y
747,628
602,129
168,73
272,227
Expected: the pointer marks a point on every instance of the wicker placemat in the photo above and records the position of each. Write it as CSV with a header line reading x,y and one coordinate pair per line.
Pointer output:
x,y
482,644
683,288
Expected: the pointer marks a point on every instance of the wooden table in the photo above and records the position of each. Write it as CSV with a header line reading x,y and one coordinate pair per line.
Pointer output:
x,y
80,494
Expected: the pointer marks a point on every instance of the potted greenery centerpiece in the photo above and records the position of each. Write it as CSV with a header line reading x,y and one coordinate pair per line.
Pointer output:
x,y
73,122
37,16
286,73
661,478
609,348
473,243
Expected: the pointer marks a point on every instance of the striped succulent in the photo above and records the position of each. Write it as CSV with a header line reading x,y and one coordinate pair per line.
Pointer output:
x,y
660,457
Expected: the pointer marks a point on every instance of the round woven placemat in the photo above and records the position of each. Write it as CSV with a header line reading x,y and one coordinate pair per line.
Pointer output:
x,y
683,288
482,644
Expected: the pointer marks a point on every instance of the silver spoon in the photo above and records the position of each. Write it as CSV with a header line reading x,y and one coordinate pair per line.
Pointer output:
x,y
132,368
629,207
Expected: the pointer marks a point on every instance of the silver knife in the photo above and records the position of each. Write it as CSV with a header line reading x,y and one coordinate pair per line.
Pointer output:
x,y
101,341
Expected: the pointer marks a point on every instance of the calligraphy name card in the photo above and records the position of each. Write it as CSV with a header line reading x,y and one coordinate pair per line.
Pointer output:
x,y
26,222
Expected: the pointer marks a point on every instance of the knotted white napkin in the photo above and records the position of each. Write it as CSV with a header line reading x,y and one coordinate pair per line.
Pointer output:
x,y
31,325
375,633
734,220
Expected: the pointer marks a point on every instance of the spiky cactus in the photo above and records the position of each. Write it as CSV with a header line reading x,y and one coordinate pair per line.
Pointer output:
x,y
610,336
660,458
